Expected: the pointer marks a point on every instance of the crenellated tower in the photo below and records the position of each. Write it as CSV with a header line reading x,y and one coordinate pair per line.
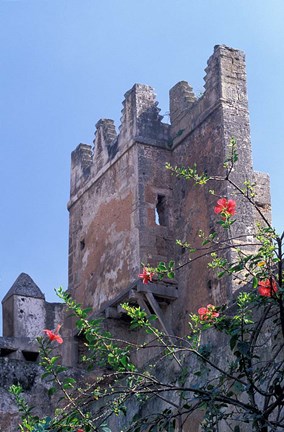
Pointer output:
x,y
126,209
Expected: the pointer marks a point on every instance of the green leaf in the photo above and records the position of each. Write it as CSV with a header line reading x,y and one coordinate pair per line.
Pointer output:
x,y
124,361
255,282
69,383
162,266
51,391
205,242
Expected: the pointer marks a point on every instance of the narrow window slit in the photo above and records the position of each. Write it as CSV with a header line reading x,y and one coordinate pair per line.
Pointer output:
x,y
160,211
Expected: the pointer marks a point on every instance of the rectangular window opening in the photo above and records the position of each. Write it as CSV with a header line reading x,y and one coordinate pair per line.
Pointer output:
x,y
82,244
30,355
5,352
160,211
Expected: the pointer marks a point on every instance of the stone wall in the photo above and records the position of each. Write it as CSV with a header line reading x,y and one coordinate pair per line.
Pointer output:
x,y
126,209
206,126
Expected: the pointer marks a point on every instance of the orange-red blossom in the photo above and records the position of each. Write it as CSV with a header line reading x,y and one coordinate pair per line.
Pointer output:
x,y
208,313
54,335
226,208
267,287
146,275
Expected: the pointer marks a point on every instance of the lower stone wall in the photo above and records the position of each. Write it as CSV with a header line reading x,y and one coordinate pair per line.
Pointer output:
x,y
28,375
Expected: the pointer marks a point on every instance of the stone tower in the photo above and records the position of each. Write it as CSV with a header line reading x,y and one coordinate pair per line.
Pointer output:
x,y
25,315
23,309
126,208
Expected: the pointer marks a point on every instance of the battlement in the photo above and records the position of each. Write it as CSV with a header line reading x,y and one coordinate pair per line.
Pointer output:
x,y
141,122
182,99
225,83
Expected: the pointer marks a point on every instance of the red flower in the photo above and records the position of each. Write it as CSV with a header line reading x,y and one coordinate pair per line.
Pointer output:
x,y
146,276
267,287
207,313
80,430
54,335
226,207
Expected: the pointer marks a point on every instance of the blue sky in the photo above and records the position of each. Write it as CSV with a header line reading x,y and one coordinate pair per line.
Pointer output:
x,y
66,63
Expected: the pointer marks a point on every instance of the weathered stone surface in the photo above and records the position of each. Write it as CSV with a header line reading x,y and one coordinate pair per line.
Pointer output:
x,y
24,286
126,209
28,375
129,210
9,415
261,183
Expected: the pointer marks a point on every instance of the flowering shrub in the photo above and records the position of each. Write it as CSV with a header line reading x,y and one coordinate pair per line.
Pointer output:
x,y
240,389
